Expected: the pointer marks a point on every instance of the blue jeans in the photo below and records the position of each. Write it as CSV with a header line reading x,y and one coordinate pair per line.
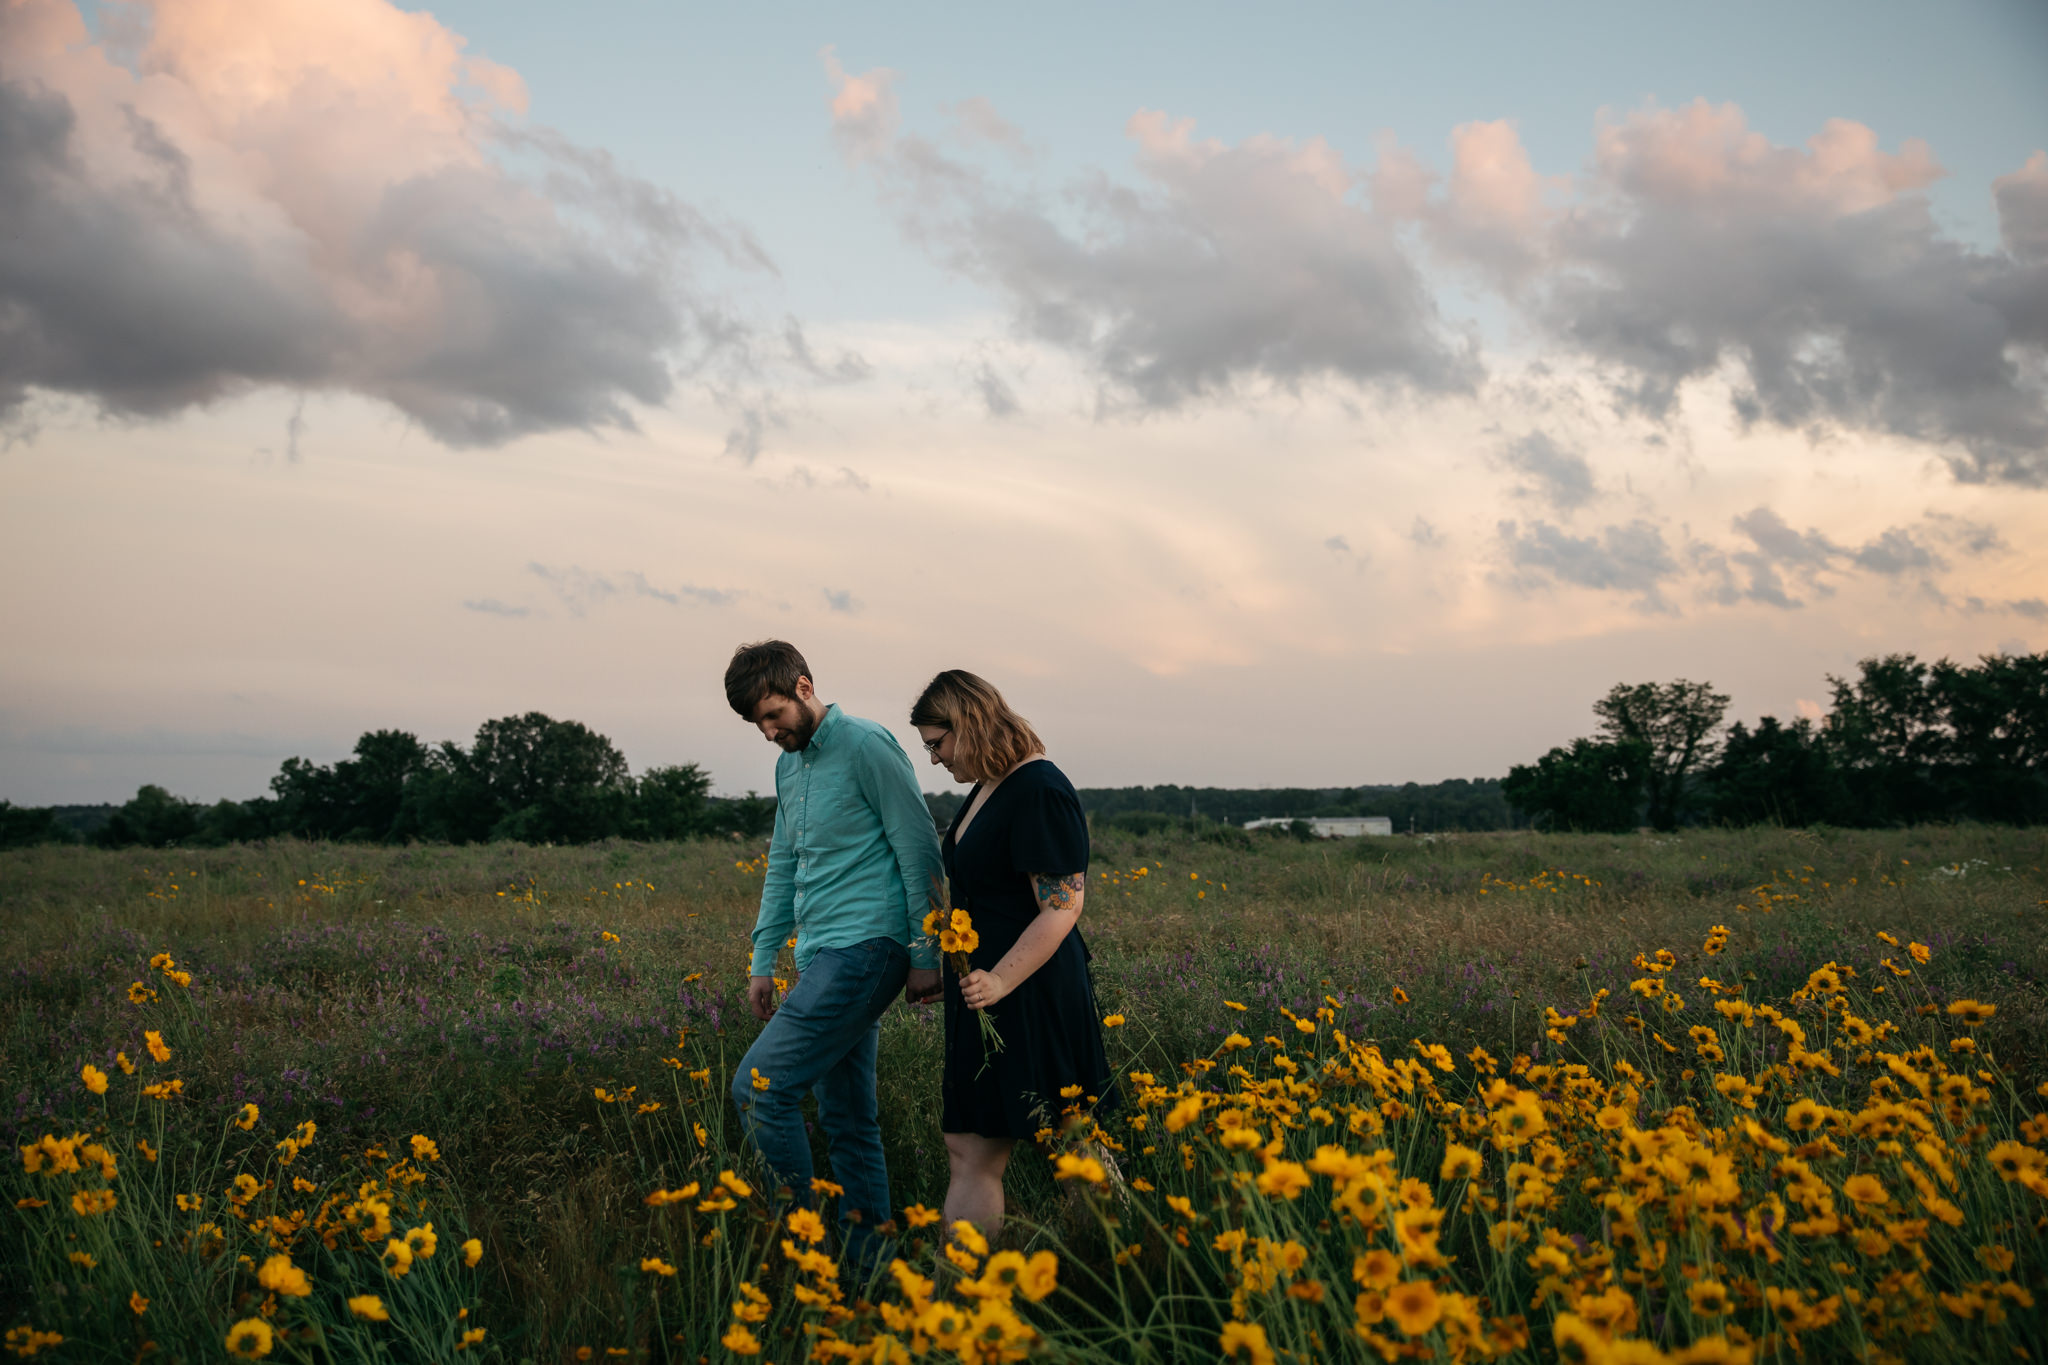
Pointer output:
x,y
823,1039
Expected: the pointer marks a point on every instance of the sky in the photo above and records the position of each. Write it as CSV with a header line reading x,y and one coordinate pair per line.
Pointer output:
x,y
1325,395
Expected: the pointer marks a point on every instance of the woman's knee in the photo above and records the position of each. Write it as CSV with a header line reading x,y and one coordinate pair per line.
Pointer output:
x,y
973,1155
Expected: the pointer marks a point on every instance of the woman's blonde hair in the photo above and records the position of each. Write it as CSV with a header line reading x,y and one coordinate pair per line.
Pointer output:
x,y
989,738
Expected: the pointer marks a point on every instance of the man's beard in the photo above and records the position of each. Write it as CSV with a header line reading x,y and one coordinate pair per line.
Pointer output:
x,y
799,739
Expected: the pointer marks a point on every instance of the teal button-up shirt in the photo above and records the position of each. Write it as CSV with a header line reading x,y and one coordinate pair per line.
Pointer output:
x,y
854,855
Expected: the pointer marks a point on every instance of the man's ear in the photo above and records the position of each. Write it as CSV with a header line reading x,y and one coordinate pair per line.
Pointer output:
x,y
804,690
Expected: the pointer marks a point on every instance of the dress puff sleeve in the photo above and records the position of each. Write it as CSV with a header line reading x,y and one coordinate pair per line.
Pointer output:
x,y
1050,836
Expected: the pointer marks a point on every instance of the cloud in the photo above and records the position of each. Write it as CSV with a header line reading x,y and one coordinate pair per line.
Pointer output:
x,y
2033,608
846,479
491,606
1631,558
1895,552
976,118
1493,213
1557,476
1775,540
1337,545
847,368
754,418
996,394
840,600
1813,279
1811,559
327,197
1817,277
580,590
1218,267
1424,535
865,114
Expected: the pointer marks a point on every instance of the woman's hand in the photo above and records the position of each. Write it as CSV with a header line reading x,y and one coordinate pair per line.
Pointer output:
x,y
981,989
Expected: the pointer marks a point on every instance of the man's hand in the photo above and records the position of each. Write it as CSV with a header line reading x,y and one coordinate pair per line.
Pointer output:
x,y
761,997
921,987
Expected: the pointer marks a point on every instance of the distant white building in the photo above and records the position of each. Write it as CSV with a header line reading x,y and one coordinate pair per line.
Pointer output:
x,y
1332,826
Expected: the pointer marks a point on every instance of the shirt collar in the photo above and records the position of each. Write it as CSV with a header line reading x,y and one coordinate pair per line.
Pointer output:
x,y
822,736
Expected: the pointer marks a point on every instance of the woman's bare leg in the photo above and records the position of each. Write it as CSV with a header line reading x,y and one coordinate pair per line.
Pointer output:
x,y
975,1191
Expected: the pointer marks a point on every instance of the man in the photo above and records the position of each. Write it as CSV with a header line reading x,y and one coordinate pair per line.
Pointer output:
x,y
852,868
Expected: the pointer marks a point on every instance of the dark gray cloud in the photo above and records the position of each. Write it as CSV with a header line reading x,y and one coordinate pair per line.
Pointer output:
x,y
491,606
1221,267
1425,535
1555,475
2033,608
840,600
1630,558
501,284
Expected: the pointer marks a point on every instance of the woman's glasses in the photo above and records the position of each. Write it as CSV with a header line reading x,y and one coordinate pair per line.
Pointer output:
x,y
931,746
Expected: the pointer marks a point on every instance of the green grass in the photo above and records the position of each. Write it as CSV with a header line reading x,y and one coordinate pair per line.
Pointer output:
x,y
470,995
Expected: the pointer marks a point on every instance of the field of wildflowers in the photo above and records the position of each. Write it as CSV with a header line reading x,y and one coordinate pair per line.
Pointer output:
x,y
1726,1096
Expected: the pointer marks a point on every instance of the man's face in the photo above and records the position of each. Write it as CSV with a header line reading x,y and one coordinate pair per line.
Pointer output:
x,y
788,721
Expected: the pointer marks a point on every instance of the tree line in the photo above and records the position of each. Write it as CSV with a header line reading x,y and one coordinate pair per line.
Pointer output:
x,y
529,778
1457,804
1902,742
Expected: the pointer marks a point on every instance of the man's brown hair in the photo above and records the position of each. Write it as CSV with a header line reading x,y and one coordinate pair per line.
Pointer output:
x,y
769,668
989,738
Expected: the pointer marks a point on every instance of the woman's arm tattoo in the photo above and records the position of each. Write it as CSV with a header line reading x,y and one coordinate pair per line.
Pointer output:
x,y
1059,893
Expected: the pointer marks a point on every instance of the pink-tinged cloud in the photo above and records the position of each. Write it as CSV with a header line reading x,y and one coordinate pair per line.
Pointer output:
x,y
1229,265
1707,157
1811,283
321,196
864,109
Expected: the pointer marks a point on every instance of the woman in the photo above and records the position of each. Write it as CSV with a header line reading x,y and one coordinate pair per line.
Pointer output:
x,y
1017,859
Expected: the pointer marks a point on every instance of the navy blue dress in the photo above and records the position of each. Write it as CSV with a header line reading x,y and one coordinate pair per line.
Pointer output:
x,y
1051,1029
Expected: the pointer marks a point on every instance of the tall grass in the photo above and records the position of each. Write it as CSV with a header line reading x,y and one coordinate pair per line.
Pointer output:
x,y
523,1008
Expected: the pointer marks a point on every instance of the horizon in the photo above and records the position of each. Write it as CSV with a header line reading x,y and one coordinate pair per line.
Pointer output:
x,y
1345,390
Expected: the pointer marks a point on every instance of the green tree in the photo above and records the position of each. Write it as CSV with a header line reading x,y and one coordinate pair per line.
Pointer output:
x,y
556,781
447,801
237,822
359,798
1674,723
1588,786
1890,740
1997,720
373,782
743,817
152,817
1782,774
670,803
27,826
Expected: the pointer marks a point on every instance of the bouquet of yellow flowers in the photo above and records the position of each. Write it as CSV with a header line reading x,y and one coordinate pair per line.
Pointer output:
x,y
957,938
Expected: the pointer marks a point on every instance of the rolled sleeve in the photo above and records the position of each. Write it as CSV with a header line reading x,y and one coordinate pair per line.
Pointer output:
x,y
778,896
890,786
